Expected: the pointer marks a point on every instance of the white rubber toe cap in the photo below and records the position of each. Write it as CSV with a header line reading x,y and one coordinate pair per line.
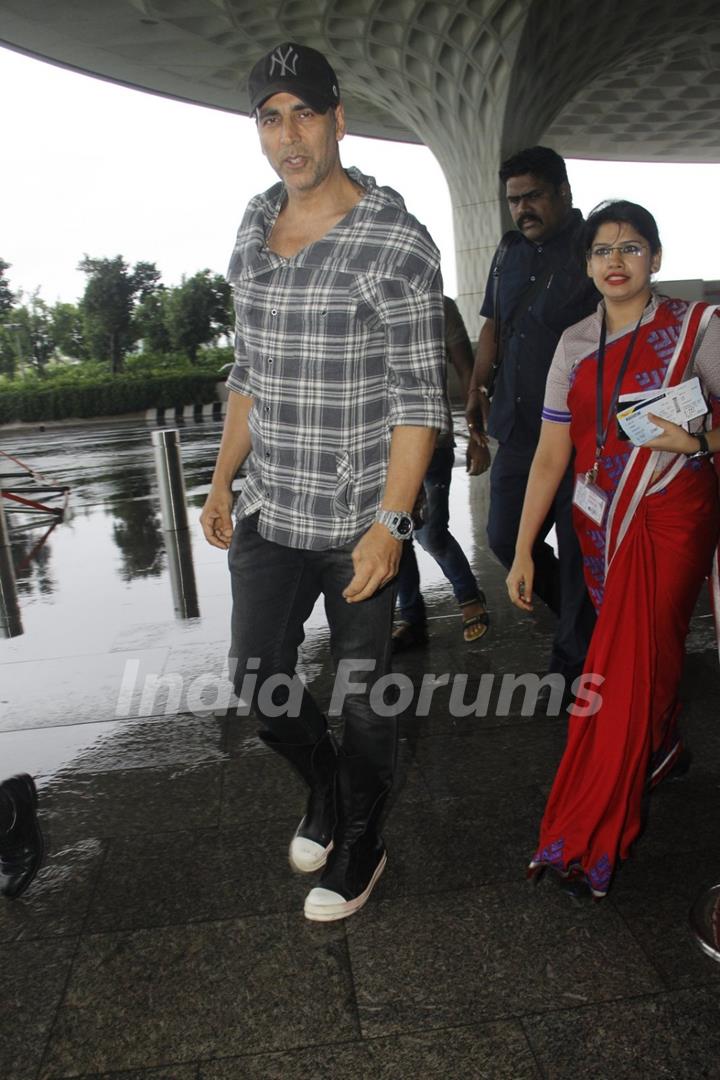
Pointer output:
x,y
322,905
306,856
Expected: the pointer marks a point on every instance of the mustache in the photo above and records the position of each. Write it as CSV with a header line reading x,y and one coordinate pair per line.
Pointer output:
x,y
526,219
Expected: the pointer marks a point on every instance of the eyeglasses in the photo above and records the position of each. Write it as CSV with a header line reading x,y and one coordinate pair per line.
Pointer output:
x,y
629,251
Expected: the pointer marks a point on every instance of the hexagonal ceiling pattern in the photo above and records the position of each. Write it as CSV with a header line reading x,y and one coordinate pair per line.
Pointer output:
x,y
644,81
612,79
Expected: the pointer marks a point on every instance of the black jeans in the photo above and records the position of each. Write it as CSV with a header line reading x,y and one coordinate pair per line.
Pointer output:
x,y
559,582
274,591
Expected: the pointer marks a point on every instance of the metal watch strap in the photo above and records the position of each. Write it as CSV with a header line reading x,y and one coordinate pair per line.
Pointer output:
x,y
399,523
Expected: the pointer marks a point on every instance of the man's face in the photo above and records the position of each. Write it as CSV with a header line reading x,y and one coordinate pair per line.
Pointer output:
x,y
300,144
538,208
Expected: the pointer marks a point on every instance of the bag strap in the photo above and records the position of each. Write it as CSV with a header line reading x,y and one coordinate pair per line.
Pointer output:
x,y
508,240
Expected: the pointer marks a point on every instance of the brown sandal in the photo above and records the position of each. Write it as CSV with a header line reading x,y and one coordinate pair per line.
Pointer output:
x,y
475,626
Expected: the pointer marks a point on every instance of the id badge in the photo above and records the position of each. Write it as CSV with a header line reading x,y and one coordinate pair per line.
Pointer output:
x,y
590,498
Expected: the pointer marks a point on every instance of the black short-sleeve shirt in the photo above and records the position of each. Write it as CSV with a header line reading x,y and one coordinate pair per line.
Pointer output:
x,y
567,297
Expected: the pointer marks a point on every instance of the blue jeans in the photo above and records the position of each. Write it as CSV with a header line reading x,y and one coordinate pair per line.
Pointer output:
x,y
435,538
274,590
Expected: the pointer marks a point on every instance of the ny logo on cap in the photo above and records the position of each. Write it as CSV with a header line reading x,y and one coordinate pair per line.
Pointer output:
x,y
287,63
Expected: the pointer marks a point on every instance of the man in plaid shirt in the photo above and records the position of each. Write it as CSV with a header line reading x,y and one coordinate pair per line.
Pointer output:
x,y
335,399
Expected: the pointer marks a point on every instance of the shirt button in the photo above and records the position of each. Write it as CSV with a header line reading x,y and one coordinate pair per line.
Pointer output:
x,y
518,399
274,311
522,336
270,359
267,408
532,277
539,249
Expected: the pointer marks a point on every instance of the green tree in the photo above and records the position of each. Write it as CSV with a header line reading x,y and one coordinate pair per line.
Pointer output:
x,y
33,325
67,330
151,321
6,297
111,295
8,349
198,312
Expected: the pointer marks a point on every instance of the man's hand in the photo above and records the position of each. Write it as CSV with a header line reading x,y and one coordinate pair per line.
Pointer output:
x,y
376,558
476,415
216,517
477,456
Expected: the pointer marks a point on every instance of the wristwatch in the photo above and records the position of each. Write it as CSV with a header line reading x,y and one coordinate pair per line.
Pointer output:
x,y
704,450
398,523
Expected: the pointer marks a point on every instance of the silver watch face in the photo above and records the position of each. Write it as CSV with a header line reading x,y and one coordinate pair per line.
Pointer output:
x,y
403,524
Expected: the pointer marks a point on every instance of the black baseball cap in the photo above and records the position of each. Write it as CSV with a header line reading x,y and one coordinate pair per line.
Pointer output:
x,y
294,69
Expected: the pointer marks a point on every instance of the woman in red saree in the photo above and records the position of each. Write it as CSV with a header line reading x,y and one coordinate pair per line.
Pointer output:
x,y
648,520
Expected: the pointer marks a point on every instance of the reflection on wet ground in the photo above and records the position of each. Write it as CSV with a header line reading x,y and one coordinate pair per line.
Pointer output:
x,y
110,601
164,937
120,620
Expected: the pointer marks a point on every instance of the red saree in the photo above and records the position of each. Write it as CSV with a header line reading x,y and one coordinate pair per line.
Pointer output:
x,y
644,569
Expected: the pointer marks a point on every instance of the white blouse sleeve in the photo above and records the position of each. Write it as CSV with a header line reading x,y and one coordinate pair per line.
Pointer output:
x,y
557,387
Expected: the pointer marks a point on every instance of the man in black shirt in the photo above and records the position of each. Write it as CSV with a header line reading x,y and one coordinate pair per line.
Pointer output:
x,y
538,286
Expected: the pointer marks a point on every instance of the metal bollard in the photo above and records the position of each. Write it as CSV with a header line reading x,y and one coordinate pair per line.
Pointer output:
x,y
10,621
4,531
182,574
705,921
171,483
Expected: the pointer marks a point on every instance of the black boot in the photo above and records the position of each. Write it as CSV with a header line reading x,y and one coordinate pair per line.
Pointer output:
x,y
317,765
21,845
358,857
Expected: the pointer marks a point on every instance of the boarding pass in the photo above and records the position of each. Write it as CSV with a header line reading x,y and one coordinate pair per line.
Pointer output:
x,y
680,404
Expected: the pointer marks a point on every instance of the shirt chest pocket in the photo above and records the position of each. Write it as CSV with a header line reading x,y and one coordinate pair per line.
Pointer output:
x,y
330,318
330,339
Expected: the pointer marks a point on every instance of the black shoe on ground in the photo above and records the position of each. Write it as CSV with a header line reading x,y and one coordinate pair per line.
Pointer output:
x,y
358,856
21,847
552,700
317,765
408,635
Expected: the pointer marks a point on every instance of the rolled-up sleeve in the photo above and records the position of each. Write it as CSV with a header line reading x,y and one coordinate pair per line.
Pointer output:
x,y
239,377
412,315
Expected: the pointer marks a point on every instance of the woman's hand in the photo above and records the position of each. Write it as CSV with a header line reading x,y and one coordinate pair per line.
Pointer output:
x,y
520,582
674,438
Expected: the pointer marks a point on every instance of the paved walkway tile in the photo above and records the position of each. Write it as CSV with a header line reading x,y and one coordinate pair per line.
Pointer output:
x,y
33,979
177,994
483,1052
481,954
664,1037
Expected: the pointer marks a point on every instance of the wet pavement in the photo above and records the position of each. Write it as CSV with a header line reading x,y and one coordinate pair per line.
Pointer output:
x,y
164,937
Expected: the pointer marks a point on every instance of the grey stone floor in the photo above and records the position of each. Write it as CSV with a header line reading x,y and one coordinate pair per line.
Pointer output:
x,y
165,938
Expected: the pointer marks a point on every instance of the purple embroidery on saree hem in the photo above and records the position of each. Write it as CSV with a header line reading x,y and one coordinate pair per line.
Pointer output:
x,y
599,875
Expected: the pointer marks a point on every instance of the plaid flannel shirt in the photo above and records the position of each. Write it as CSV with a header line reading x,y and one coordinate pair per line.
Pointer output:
x,y
336,346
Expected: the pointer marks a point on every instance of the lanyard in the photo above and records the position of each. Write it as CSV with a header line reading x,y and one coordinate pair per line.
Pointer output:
x,y
601,422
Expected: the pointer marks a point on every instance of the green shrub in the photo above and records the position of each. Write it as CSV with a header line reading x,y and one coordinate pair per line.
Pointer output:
x,y
65,395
